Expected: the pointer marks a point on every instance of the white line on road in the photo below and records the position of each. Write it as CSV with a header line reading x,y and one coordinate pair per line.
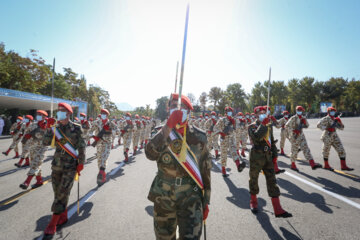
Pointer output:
x,y
341,198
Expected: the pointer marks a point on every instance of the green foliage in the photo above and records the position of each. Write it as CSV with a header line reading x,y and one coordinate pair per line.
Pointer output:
x,y
161,108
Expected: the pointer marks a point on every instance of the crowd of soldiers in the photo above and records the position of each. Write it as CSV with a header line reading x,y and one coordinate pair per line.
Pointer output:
x,y
226,135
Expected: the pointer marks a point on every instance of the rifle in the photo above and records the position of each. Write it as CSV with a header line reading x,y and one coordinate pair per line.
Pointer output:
x,y
335,124
100,136
301,126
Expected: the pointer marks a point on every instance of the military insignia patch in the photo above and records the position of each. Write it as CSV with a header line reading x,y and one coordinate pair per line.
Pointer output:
x,y
176,146
166,158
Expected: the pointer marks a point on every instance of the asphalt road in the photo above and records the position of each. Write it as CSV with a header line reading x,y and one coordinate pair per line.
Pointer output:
x,y
325,205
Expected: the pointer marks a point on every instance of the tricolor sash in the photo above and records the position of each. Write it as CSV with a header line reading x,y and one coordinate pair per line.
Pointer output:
x,y
65,143
190,164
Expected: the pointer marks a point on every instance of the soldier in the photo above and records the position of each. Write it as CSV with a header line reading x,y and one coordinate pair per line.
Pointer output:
x,y
142,131
330,138
226,128
149,126
178,199
192,121
120,126
37,149
261,155
212,138
248,118
113,133
26,142
104,127
91,122
241,133
76,120
136,133
283,134
127,133
17,134
68,159
297,139
86,126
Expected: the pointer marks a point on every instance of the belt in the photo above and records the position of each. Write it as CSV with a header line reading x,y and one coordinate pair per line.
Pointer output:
x,y
261,148
177,181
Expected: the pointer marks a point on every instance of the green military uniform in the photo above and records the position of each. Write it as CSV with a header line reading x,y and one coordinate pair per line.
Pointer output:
x,y
178,201
261,156
63,165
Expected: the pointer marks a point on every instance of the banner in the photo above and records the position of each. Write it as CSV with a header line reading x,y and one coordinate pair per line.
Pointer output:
x,y
324,106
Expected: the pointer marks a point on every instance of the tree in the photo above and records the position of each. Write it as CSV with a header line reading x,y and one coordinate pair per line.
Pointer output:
x,y
294,97
215,95
258,95
307,91
161,108
278,93
334,89
203,100
236,95
352,96
224,102
192,98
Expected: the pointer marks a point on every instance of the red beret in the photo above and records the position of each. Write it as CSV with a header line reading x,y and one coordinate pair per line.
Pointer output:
x,y
66,106
76,118
213,113
128,114
285,112
331,109
42,112
247,113
137,116
91,119
299,108
252,114
240,114
267,107
229,109
259,108
206,114
184,100
105,111
201,116
19,117
29,117
83,114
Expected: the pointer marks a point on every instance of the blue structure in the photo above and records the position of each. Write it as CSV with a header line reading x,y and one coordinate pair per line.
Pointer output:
x,y
30,101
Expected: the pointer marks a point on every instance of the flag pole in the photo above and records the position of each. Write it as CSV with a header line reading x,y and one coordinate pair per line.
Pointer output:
x,y
52,90
176,77
268,97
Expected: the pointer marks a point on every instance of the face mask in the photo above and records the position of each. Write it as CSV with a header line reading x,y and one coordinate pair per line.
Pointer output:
x,y
18,120
103,116
38,118
127,118
206,117
262,117
332,113
240,117
298,112
27,120
81,118
184,116
229,114
247,116
213,117
286,116
61,115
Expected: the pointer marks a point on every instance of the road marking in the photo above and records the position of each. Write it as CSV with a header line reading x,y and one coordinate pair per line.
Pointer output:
x,y
341,198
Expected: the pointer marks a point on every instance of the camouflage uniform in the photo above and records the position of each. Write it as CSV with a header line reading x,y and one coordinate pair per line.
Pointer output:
x,y
63,165
241,133
127,133
225,127
25,129
136,134
331,138
150,124
261,156
103,147
284,133
86,126
297,140
37,148
178,201
142,132
16,135
211,138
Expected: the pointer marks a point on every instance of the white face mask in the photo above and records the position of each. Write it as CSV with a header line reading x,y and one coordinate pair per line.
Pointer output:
x,y
184,116
286,116
61,115
229,114
103,116
262,117
268,112
127,118
240,117
247,116
81,118
27,120
38,118
206,117
213,116
298,112
18,120
332,113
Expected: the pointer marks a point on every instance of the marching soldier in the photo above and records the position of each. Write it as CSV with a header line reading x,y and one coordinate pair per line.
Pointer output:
x,y
86,126
177,196
261,155
192,120
69,158
136,134
142,131
113,133
226,128
283,133
241,133
37,149
104,127
212,138
329,124
120,126
127,133
297,138
149,126
26,143
17,134
248,118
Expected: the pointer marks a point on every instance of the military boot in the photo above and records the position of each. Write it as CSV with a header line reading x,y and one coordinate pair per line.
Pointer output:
x,y
223,170
326,165
19,163
282,152
253,203
39,181
7,152
344,166
26,184
63,218
135,149
279,212
126,155
51,227
276,168
240,166
293,167
314,165
17,155
101,177
27,162
217,155
243,152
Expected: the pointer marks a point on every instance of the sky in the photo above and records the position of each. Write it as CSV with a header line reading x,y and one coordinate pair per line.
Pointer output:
x,y
131,47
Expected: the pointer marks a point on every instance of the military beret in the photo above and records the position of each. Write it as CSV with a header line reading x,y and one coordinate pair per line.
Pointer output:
x,y
91,119
259,108
206,114
137,116
29,117
247,113
229,109
42,112
66,106
213,113
184,100
76,119
240,114
83,114
19,117
128,114
200,116
285,112
299,108
331,109
105,111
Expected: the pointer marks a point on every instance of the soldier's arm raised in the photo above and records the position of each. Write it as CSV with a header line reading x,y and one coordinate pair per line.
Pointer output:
x,y
157,143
